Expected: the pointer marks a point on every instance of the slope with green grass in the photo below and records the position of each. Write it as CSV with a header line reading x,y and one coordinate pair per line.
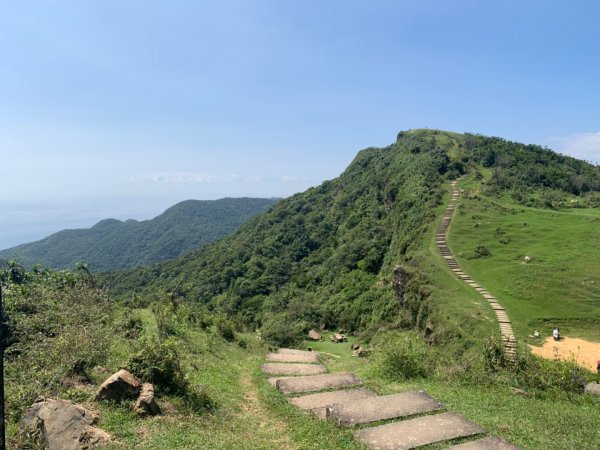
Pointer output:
x,y
560,286
112,244
358,251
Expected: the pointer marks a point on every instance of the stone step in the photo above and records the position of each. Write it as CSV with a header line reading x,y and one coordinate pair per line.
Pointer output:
x,y
291,358
383,407
317,403
317,382
293,369
488,443
293,351
417,432
489,297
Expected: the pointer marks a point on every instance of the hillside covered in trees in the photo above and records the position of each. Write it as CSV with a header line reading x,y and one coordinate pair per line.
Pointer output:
x,y
112,244
357,252
346,253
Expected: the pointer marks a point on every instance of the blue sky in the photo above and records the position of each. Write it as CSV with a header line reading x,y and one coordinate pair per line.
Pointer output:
x,y
123,108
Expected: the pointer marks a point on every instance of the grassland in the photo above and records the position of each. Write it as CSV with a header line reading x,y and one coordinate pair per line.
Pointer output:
x,y
530,423
248,413
561,284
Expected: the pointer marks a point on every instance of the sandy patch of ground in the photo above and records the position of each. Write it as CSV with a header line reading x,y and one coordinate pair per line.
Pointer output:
x,y
586,352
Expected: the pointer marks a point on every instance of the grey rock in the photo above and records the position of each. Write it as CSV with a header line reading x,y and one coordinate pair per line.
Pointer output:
x,y
63,425
119,386
593,389
314,335
146,403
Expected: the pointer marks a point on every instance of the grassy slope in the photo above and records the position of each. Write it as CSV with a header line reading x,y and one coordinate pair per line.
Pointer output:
x,y
250,414
561,286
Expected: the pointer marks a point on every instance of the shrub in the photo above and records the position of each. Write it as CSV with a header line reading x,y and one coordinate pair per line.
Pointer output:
x,y
402,355
481,251
159,363
131,325
225,328
279,329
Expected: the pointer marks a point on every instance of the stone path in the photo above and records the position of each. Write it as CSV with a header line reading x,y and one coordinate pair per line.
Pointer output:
x,y
418,418
506,331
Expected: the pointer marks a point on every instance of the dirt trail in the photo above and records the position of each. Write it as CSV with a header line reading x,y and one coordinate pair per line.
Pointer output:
x,y
586,352
265,423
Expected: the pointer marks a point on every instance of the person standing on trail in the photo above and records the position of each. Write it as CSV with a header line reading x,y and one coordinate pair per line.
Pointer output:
x,y
556,334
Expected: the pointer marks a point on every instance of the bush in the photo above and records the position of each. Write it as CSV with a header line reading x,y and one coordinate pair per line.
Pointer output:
x,y
280,330
131,325
481,251
402,355
225,329
159,363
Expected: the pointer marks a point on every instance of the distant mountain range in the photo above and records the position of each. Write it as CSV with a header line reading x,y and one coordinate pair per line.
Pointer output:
x,y
113,244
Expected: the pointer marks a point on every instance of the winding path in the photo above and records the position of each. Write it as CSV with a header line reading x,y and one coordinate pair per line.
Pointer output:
x,y
506,331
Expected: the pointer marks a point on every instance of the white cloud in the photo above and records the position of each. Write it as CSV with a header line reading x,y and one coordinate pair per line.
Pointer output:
x,y
184,177
584,146
292,178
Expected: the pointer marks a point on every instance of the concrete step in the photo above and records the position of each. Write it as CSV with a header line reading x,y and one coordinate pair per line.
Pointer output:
x,y
293,369
488,443
293,351
317,382
291,358
382,407
416,432
317,403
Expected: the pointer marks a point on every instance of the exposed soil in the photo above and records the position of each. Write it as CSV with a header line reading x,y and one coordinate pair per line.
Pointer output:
x,y
586,352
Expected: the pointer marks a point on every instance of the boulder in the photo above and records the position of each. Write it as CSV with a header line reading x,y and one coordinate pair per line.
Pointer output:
x,y
527,259
338,338
146,404
314,336
593,389
63,425
363,352
119,386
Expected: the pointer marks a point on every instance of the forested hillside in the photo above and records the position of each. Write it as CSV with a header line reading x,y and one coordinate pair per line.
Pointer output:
x,y
343,254
357,252
112,244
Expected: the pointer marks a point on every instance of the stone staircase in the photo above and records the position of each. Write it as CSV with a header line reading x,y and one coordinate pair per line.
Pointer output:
x,y
411,419
506,331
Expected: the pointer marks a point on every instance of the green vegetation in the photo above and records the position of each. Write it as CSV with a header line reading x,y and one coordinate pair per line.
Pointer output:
x,y
112,244
533,404
67,337
560,285
359,253
350,253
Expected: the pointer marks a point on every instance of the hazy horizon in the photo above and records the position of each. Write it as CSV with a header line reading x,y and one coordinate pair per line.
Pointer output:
x,y
120,110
